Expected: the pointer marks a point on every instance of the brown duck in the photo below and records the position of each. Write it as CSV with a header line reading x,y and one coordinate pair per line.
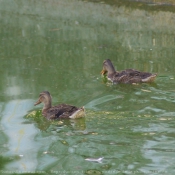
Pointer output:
x,y
59,111
126,76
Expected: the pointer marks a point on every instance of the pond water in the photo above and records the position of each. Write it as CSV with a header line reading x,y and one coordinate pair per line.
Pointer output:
x,y
59,46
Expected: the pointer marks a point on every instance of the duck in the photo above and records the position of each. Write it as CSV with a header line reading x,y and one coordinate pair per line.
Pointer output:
x,y
60,111
128,76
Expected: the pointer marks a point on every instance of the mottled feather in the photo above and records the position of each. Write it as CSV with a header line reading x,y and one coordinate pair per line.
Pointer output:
x,y
126,76
59,111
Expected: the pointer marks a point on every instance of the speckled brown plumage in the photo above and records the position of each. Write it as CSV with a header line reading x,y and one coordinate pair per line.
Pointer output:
x,y
126,76
59,111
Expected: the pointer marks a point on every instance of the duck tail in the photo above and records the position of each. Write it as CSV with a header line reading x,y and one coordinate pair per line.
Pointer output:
x,y
150,78
78,114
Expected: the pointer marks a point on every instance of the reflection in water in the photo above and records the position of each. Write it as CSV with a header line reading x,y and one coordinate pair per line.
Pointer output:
x,y
132,37
22,144
45,124
157,2
21,136
60,47
158,147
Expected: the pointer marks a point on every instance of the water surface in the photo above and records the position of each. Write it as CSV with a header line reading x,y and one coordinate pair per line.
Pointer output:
x,y
59,46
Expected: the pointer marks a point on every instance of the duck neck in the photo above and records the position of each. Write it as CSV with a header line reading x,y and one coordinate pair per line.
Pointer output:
x,y
111,70
47,105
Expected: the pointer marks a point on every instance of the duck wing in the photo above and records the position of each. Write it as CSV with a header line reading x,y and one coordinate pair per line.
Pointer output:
x,y
61,111
138,76
134,76
133,72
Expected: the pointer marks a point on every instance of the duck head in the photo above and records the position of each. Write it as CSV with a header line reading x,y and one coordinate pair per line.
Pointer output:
x,y
107,67
45,98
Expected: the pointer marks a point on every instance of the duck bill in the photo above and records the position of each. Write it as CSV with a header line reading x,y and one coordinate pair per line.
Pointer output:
x,y
38,102
103,72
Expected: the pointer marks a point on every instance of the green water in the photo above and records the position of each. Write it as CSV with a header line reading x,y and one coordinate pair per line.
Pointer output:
x,y
59,46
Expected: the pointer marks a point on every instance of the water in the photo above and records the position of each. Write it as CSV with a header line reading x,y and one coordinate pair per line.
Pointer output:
x,y
59,46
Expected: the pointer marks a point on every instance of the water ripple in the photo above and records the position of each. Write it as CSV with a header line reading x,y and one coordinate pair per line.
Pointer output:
x,y
20,135
101,100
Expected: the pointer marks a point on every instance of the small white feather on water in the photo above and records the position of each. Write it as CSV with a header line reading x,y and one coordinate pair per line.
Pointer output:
x,y
99,160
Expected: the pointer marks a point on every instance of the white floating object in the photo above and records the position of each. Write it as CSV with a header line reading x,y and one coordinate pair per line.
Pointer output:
x,y
95,160
145,90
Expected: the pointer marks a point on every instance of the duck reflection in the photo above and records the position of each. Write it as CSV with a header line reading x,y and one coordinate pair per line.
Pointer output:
x,y
56,125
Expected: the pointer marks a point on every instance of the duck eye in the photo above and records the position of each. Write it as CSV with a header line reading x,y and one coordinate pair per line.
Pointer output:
x,y
42,98
105,63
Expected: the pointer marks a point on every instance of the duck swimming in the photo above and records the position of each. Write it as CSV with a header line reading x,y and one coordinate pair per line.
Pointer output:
x,y
59,111
126,76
